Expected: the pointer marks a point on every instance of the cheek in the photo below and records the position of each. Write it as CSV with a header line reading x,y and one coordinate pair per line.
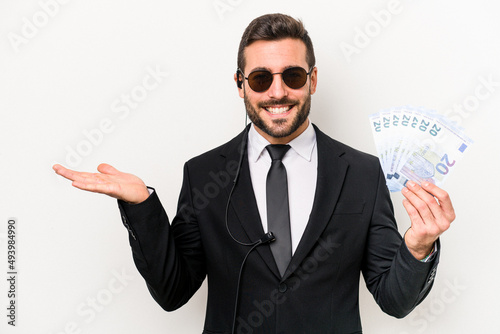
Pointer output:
x,y
252,99
305,91
300,97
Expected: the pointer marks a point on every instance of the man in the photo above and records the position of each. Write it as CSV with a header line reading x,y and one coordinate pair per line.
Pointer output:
x,y
338,219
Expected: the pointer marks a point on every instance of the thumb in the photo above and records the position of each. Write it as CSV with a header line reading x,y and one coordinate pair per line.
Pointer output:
x,y
107,169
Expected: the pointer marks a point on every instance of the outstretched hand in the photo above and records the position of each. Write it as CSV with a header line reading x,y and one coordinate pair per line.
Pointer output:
x,y
431,214
108,181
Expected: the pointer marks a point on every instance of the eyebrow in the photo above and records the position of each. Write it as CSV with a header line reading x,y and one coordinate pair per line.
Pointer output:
x,y
260,68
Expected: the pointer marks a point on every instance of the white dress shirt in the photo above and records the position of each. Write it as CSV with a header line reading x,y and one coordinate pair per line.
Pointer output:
x,y
301,163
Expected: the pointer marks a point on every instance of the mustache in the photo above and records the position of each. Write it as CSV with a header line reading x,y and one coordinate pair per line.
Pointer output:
x,y
270,103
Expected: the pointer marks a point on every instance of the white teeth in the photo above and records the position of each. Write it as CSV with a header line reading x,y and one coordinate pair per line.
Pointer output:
x,y
276,111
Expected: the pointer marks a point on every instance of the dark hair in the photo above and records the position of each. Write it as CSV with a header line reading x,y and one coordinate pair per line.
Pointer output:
x,y
273,27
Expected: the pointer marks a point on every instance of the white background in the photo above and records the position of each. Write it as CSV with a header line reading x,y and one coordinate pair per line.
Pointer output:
x,y
64,77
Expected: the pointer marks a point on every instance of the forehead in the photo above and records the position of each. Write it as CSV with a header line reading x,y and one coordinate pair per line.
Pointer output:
x,y
275,55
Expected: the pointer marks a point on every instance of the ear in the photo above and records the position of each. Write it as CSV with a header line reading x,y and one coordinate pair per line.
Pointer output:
x,y
238,78
314,80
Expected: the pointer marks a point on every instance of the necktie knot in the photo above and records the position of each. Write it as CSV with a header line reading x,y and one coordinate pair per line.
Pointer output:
x,y
277,151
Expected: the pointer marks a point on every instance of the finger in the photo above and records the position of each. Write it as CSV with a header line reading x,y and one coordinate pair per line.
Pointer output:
x,y
95,187
421,227
422,201
58,168
437,219
428,199
65,172
443,198
412,213
107,169
75,175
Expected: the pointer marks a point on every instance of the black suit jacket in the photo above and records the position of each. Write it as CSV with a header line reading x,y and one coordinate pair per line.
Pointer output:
x,y
351,230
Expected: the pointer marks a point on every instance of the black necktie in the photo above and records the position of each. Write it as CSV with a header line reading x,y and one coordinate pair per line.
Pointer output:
x,y
278,216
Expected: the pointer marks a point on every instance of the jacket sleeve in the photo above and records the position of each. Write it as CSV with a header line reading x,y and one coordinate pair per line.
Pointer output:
x,y
397,280
170,258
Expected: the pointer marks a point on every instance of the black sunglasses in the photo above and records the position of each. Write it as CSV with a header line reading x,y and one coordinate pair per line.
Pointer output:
x,y
261,80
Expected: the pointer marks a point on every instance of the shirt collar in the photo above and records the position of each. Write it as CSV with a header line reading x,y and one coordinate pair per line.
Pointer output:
x,y
303,145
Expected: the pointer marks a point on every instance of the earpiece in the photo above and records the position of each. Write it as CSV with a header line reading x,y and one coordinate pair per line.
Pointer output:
x,y
239,81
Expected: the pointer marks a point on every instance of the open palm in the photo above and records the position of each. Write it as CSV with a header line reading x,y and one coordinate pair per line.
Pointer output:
x,y
109,181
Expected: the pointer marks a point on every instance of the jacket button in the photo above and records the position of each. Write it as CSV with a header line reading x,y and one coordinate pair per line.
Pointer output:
x,y
283,287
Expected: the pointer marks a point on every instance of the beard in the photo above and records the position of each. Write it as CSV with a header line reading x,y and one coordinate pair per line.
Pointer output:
x,y
279,128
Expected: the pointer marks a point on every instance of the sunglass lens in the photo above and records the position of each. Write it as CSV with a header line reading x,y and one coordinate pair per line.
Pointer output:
x,y
295,77
260,81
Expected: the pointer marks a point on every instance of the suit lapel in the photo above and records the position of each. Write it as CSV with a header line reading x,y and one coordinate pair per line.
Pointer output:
x,y
243,201
331,174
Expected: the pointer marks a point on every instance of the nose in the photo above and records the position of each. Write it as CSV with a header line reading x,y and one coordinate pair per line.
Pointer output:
x,y
278,87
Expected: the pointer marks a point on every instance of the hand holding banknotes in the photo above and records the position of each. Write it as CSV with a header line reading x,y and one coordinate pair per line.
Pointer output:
x,y
108,181
431,213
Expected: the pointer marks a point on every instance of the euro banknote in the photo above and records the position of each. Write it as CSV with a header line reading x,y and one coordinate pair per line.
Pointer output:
x,y
414,143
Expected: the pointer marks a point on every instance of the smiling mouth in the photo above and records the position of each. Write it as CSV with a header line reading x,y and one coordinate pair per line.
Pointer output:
x,y
278,110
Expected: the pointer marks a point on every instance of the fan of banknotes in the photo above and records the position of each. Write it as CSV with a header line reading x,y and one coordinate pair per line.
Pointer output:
x,y
417,144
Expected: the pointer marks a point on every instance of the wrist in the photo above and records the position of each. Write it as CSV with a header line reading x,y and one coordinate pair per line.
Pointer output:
x,y
425,259
140,196
421,255
419,251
